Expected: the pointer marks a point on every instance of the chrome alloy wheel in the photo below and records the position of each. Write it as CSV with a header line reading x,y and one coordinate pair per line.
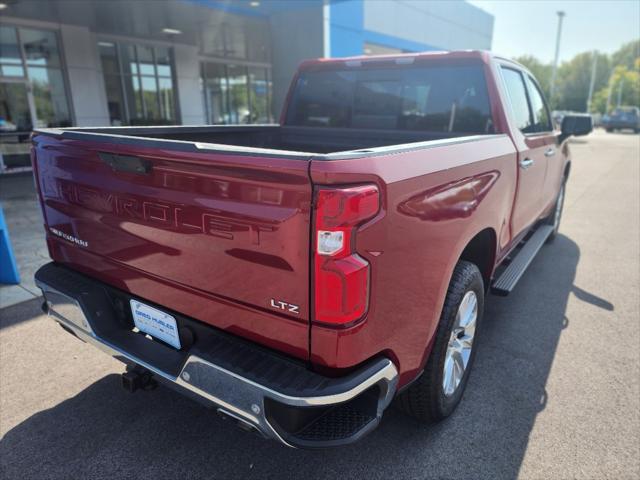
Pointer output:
x,y
460,343
558,211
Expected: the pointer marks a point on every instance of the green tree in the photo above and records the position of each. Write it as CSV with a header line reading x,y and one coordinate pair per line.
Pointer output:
x,y
627,55
574,78
625,84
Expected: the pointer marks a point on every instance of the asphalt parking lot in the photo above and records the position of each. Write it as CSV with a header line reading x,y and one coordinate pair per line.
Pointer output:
x,y
555,391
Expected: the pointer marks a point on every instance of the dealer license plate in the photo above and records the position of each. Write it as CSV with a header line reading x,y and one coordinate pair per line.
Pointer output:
x,y
158,324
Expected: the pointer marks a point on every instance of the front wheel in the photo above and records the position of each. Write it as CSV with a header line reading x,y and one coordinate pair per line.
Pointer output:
x,y
436,394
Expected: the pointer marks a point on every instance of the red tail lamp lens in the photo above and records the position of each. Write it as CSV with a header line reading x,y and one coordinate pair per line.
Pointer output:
x,y
341,275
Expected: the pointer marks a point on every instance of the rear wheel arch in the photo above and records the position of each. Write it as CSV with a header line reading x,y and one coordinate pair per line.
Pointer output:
x,y
481,251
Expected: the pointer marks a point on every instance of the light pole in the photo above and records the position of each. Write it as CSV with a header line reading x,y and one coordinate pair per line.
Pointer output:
x,y
552,88
594,66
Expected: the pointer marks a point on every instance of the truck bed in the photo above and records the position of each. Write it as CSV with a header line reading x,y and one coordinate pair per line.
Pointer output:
x,y
288,141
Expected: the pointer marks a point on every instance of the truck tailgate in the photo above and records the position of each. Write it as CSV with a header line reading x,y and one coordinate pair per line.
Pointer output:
x,y
221,237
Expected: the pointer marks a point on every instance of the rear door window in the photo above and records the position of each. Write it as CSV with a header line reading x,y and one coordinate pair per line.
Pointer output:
x,y
436,99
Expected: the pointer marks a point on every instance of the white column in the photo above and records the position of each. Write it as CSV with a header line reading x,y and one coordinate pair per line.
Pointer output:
x,y
187,90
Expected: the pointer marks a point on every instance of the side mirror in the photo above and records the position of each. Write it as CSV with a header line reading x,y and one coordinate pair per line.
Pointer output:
x,y
576,125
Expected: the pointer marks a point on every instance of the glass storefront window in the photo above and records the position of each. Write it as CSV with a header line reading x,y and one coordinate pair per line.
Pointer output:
x,y
238,37
40,48
113,85
115,102
14,108
145,60
33,90
165,89
129,64
236,93
215,89
163,61
38,51
109,58
238,90
258,42
133,95
49,97
234,37
259,95
139,84
10,57
211,42
226,39
150,97
15,125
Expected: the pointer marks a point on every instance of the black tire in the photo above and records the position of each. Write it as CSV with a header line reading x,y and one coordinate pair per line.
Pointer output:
x,y
425,399
551,219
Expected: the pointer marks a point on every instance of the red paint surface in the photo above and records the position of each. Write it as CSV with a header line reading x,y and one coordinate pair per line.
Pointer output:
x,y
410,276
214,237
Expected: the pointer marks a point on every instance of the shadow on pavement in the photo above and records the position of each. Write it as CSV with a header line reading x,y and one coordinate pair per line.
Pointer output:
x,y
104,432
20,312
592,299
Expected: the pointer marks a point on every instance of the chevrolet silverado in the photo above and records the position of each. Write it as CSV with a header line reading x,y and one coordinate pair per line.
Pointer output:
x,y
298,277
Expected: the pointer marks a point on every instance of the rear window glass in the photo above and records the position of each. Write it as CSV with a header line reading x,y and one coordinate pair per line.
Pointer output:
x,y
436,99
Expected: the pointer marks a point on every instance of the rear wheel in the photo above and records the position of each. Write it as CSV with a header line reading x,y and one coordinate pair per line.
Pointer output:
x,y
436,394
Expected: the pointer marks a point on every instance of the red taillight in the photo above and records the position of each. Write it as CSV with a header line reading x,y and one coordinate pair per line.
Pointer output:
x,y
341,275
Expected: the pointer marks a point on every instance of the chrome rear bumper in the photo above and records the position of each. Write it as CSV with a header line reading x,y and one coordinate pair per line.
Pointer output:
x,y
266,406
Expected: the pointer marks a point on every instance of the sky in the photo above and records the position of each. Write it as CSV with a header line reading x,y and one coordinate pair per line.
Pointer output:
x,y
528,27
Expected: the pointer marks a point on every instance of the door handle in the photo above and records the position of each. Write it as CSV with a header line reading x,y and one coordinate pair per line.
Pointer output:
x,y
525,163
550,152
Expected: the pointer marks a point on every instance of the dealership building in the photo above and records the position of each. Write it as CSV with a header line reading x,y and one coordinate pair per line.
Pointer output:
x,y
142,62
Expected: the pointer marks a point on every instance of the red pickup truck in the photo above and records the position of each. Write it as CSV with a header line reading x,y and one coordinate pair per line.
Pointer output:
x,y
298,277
